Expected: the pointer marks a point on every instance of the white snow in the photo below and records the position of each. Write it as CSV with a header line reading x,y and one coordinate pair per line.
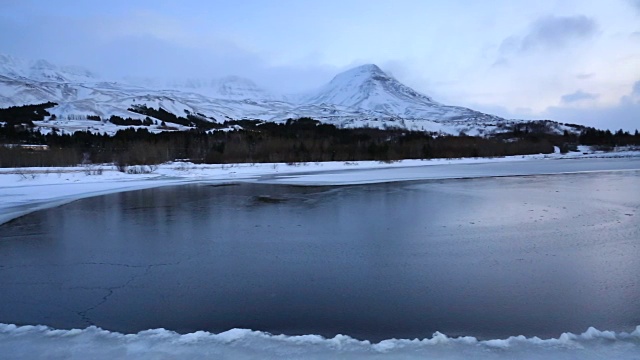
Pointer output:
x,y
43,70
41,342
366,85
375,94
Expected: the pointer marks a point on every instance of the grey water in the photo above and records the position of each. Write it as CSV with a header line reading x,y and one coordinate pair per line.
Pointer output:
x,y
489,257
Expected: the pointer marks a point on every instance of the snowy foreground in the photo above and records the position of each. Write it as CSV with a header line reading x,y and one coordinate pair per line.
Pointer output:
x,y
31,342
26,190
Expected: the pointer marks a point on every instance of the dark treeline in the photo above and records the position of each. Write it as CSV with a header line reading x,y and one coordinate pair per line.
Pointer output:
x,y
130,122
26,114
192,120
302,140
568,141
591,136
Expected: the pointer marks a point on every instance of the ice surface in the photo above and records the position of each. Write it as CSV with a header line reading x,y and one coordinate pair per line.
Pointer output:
x,y
41,342
26,190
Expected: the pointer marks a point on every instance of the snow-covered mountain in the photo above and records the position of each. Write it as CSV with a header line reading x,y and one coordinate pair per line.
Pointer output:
x,y
229,87
370,90
367,86
42,70
362,96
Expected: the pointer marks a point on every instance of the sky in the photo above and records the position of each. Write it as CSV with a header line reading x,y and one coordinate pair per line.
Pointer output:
x,y
573,61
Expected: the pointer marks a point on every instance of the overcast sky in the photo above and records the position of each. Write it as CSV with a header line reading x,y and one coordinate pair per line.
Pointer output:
x,y
567,60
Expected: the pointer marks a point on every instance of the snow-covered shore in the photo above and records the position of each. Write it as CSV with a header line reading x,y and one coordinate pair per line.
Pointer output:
x,y
24,190
41,342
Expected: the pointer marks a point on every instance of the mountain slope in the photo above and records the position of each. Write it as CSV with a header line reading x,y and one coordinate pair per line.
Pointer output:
x,y
367,87
363,96
42,70
229,87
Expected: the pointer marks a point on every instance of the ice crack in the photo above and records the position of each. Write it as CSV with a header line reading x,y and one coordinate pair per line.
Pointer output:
x,y
111,290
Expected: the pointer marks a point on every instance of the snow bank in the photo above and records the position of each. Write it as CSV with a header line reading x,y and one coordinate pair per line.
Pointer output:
x,y
41,342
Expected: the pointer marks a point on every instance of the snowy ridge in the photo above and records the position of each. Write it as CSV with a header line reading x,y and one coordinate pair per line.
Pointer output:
x,y
92,342
42,70
379,96
368,88
363,96
365,86
228,87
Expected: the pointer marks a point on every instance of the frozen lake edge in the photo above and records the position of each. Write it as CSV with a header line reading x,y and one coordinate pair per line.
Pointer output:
x,y
25,190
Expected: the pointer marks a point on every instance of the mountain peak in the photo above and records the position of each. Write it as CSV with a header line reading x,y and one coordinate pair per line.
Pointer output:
x,y
363,72
234,80
42,64
228,87
43,70
368,87
370,68
236,87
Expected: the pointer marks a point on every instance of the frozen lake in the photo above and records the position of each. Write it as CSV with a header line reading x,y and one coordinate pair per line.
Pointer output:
x,y
487,257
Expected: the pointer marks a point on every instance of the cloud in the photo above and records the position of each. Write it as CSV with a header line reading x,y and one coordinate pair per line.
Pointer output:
x,y
578,96
136,46
623,115
633,98
636,89
501,63
585,76
550,33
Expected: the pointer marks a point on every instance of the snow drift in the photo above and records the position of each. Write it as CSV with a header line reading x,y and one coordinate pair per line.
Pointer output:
x,y
39,342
